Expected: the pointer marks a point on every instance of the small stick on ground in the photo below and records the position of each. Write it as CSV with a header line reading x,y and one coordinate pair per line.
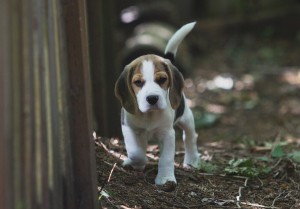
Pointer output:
x,y
238,198
109,177
113,168
276,198
258,205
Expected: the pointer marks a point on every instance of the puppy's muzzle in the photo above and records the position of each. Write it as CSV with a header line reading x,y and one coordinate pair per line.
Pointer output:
x,y
152,99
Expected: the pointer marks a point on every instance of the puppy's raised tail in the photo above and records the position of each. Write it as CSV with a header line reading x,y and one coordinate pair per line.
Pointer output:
x,y
176,39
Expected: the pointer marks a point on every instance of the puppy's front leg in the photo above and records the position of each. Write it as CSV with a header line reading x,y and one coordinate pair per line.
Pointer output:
x,y
167,154
136,144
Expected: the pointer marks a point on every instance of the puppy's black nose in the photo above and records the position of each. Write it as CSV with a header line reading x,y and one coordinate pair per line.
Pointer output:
x,y
152,99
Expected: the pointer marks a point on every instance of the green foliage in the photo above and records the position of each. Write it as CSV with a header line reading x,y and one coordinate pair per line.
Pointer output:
x,y
295,156
264,159
205,119
277,152
206,166
250,104
245,167
253,167
250,168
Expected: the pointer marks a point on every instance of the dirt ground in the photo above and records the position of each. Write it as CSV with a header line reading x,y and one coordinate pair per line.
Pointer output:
x,y
244,91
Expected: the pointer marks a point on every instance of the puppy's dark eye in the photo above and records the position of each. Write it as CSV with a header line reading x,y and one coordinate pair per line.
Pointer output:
x,y
161,80
138,83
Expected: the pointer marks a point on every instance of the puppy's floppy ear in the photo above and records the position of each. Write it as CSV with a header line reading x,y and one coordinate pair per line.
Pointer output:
x,y
176,85
124,91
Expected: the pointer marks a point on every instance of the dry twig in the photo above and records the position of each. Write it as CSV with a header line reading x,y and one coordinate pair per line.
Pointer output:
x,y
238,198
258,205
276,198
109,177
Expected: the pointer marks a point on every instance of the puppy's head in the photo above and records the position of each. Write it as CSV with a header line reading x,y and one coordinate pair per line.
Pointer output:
x,y
149,83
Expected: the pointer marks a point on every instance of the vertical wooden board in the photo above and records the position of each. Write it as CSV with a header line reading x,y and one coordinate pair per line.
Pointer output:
x,y
16,15
5,177
27,154
79,104
62,121
41,91
97,56
62,179
104,67
54,138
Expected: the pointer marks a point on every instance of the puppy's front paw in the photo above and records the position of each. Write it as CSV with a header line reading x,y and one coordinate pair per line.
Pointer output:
x,y
191,161
160,180
169,186
134,165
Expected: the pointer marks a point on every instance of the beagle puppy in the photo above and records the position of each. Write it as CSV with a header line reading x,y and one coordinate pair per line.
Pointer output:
x,y
150,92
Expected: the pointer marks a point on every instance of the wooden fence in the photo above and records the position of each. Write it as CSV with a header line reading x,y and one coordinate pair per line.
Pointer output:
x,y
46,145
104,67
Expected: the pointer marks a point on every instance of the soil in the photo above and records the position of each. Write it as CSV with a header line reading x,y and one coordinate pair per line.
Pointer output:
x,y
255,116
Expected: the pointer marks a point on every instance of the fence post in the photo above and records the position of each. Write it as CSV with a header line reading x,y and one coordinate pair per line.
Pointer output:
x,y
104,63
5,158
80,105
47,155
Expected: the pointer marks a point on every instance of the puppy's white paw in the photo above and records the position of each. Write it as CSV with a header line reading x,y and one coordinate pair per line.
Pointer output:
x,y
192,161
136,166
160,180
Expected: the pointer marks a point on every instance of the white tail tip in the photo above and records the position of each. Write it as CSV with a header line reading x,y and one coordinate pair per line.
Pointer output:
x,y
177,38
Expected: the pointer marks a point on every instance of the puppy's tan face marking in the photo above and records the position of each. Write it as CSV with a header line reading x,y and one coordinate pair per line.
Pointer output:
x,y
161,77
137,82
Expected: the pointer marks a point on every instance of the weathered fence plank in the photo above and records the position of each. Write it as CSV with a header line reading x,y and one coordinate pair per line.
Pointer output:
x,y
104,64
5,158
46,145
80,105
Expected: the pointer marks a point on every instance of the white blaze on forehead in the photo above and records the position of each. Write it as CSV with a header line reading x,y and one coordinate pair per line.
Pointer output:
x,y
150,87
148,70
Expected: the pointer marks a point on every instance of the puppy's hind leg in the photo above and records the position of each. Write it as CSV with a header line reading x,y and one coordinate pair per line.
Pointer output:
x,y
136,145
186,123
